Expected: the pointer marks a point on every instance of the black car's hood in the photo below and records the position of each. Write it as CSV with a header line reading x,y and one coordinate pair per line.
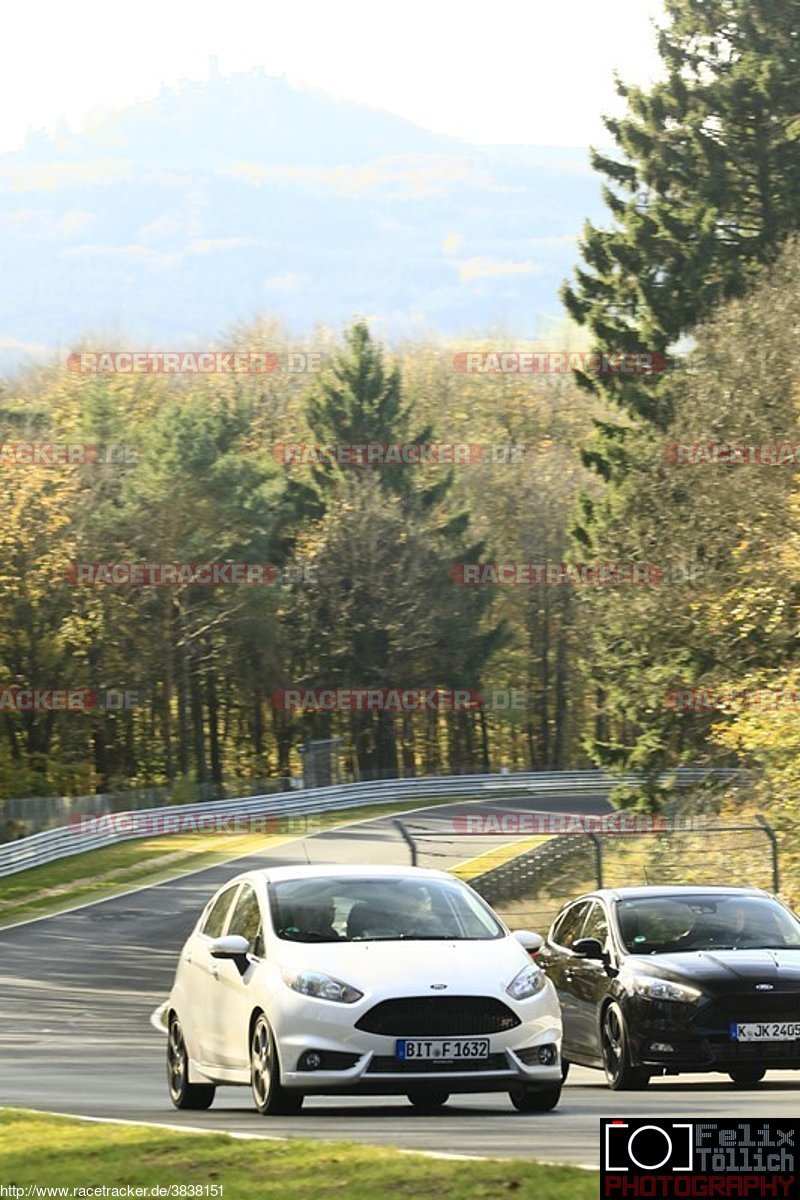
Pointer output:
x,y
779,967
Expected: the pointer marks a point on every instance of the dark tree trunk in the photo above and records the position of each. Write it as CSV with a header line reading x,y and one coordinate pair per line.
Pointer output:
x,y
213,730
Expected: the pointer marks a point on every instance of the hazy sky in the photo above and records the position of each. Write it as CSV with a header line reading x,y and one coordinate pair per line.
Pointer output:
x,y
534,71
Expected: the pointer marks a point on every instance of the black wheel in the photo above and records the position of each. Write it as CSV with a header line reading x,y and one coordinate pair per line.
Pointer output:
x,y
747,1076
182,1093
564,1068
541,1099
428,1100
271,1098
621,1076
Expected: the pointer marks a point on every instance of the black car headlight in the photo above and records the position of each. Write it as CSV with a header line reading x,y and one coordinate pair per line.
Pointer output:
x,y
654,988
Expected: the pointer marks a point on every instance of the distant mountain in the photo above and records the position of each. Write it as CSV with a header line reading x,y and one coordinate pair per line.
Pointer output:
x,y
172,219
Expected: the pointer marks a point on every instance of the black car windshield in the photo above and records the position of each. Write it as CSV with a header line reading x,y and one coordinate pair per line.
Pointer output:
x,y
670,924
358,909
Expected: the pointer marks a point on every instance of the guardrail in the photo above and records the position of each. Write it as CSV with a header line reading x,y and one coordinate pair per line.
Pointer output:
x,y
52,844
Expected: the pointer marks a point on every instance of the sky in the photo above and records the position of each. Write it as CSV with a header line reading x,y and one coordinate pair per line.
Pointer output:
x,y
536,72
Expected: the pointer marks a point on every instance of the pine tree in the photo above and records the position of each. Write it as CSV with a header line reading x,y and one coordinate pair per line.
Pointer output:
x,y
702,190
371,642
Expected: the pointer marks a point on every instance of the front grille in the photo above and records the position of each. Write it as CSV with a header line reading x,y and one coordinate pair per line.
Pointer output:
x,y
750,1006
384,1064
438,1016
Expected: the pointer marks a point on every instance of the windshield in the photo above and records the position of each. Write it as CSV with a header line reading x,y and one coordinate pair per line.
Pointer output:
x,y
359,909
668,924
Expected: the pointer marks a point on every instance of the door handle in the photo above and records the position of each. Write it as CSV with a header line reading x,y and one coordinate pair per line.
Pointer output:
x,y
214,971
187,958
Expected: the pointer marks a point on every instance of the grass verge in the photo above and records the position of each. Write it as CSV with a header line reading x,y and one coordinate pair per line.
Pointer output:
x,y
495,858
98,874
63,1152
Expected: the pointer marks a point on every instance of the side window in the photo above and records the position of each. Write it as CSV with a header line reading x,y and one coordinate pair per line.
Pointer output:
x,y
596,923
214,922
568,926
246,920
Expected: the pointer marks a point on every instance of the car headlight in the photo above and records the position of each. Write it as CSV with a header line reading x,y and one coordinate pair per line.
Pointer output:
x,y
323,987
664,989
528,982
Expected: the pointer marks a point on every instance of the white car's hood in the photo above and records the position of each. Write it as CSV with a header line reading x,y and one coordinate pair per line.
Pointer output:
x,y
463,966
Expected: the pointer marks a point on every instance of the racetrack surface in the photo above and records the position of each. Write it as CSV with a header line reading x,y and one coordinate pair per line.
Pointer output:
x,y
77,991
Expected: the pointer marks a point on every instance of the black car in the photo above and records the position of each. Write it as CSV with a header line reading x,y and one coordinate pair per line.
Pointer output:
x,y
659,980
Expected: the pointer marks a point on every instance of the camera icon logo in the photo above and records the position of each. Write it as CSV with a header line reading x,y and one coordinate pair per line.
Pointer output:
x,y
644,1146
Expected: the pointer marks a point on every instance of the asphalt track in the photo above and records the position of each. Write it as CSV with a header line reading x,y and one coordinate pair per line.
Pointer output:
x,y
77,991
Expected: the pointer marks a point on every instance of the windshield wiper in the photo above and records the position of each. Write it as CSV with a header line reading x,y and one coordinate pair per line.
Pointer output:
x,y
407,937
429,937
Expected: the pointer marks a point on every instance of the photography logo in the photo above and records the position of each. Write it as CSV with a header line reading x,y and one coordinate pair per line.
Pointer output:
x,y
674,1158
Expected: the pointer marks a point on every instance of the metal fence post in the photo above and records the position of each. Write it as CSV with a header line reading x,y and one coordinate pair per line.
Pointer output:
x,y
409,841
770,832
598,857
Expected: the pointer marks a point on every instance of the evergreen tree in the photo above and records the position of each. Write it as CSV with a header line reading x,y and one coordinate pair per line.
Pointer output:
x,y
702,190
374,515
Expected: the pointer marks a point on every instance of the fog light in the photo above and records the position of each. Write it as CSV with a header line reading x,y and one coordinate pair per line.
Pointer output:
x,y
533,1056
310,1061
662,1048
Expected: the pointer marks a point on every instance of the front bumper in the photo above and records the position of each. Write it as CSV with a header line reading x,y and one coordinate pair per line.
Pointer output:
x,y
670,1037
374,1069
370,1076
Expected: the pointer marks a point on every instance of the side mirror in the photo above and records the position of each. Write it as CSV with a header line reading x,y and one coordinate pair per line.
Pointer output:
x,y
589,948
232,946
532,942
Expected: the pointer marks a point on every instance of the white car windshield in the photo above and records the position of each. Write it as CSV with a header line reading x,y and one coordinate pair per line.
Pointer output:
x,y
359,909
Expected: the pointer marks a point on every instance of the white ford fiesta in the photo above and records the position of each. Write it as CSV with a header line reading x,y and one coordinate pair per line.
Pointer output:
x,y
363,981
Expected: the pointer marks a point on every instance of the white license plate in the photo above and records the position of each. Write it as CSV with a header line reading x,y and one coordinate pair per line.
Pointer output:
x,y
766,1031
448,1049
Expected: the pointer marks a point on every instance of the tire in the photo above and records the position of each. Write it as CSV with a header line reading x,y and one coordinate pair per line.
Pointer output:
x,y
529,1100
428,1101
747,1076
564,1068
621,1076
270,1097
182,1093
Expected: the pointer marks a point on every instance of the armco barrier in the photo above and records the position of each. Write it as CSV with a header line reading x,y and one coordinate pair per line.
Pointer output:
x,y
53,844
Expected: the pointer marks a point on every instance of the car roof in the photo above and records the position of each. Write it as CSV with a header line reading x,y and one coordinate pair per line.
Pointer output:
x,y
651,891
331,870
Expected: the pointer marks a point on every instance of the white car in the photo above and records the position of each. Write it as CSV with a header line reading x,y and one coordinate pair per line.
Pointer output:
x,y
359,980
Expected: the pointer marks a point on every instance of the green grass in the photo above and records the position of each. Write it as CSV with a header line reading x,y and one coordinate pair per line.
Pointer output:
x,y
496,857
98,874
62,1152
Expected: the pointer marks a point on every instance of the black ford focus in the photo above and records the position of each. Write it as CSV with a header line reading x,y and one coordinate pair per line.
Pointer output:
x,y
660,980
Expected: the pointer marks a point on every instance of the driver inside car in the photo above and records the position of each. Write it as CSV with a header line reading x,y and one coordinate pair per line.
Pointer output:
x,y
313,922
